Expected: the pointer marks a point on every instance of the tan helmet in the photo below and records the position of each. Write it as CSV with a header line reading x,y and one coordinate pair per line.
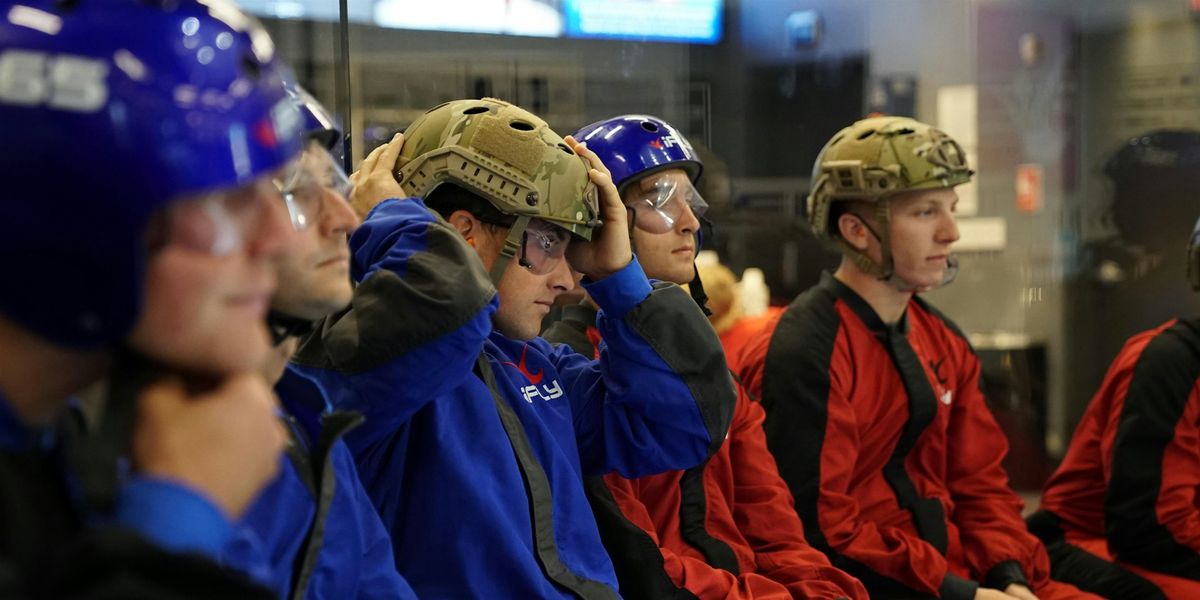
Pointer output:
x,y
873,160
504,154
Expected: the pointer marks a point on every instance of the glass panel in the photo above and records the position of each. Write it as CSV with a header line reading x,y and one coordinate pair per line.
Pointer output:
x,y
1072,235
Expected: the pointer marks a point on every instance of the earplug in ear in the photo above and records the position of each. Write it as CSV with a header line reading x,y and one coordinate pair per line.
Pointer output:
x,y
470,241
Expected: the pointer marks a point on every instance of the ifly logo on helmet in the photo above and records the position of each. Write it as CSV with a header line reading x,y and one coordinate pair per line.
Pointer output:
x,y
530,392
666,141
284,121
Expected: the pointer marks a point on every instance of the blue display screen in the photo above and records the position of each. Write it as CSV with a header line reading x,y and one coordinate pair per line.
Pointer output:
x,y
697,21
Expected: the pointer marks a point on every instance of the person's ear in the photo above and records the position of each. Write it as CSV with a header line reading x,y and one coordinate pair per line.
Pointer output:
x,y
853,230
467,225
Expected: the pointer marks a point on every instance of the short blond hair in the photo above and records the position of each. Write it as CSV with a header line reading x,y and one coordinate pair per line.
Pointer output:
x,y
724,295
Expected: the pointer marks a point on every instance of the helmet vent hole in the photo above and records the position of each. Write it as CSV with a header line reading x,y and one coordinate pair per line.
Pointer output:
x,y
521,125
866,134
906,131
475,110
251,68
564,148
651,127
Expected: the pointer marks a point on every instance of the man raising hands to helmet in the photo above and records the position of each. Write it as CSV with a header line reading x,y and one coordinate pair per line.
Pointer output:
x,y
479,433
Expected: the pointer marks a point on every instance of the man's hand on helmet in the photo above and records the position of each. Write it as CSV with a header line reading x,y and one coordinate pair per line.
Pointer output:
x,y
374,181
609,250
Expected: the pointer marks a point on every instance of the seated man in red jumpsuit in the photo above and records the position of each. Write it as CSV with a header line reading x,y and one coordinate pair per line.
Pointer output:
x,y
1121,516
874,409
725,529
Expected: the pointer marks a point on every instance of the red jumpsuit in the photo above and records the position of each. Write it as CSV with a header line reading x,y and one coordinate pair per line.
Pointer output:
x,y
745,330
724,530
889,449
1129,487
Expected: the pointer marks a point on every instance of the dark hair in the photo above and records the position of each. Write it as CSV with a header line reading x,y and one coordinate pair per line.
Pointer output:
x,y
448,197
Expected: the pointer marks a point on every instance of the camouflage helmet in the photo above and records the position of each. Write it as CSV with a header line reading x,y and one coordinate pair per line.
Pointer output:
x,y
504,154
873,160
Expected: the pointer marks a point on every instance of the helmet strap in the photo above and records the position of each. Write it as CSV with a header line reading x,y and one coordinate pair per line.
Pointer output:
x,y
632,222
887,271
696,289
283,326
512,246
862,260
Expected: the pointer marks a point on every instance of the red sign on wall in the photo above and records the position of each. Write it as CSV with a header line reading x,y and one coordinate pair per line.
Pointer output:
x,y
1029,188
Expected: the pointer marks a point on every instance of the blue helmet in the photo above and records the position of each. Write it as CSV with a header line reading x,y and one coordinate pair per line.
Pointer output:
x,y
110,110
318,123
633,146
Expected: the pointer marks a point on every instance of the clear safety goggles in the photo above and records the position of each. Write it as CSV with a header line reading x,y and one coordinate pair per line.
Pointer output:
x,y
306,180
543,247
660,201
218,223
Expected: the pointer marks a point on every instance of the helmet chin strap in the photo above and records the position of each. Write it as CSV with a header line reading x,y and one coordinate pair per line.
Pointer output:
x,y
903,285
282,326
888,273
696,286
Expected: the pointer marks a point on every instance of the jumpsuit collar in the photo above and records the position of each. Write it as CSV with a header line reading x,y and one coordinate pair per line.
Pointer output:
x,y
861,308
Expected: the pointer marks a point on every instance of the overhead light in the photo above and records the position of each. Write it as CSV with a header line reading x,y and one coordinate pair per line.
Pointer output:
x,y
33,18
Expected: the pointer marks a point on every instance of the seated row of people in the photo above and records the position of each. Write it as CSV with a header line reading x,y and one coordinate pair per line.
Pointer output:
x,y
425,440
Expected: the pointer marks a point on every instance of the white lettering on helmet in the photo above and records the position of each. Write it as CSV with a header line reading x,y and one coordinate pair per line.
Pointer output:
x,y
72,83
286,119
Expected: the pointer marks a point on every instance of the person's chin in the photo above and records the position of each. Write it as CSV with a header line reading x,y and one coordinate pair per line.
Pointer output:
x,y
332,301
685,276
524,329
228,355
930,280
245,352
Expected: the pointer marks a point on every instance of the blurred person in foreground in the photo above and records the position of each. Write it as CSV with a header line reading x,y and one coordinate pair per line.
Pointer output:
x,y
141,226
